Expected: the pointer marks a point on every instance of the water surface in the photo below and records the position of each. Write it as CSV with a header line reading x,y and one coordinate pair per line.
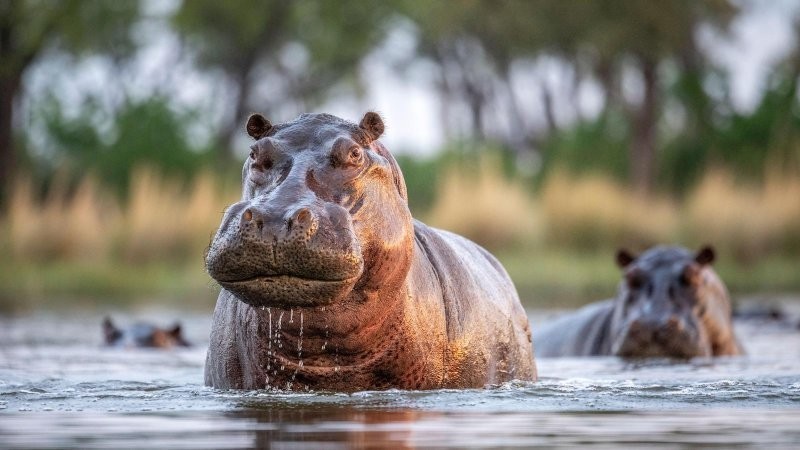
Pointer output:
x,y
59,388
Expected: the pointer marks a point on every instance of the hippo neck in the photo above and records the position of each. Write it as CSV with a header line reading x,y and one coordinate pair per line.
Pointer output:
x,y
338,346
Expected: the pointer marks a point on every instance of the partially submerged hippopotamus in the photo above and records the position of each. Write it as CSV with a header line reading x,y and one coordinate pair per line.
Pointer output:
x,y
328,282
670,303
143,335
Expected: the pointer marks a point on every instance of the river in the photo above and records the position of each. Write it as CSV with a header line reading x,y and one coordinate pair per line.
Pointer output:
x,y
59,388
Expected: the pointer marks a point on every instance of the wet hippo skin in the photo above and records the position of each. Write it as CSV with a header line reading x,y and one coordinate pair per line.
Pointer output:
x,y
329,284
670,303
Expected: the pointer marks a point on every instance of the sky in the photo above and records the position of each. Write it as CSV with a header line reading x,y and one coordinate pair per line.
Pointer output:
x,y
405,99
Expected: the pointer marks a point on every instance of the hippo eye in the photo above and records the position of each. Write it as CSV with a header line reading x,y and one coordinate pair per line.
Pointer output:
x,y
355,155
252,154
635,281
347,157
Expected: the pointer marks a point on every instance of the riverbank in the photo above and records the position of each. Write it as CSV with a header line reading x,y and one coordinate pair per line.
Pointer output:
x,y
544,278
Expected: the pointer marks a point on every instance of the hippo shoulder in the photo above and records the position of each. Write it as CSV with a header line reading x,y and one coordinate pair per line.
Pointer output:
x,y
580,333
471,279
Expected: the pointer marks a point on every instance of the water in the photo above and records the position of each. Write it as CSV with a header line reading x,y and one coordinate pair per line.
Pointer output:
x,y
60,389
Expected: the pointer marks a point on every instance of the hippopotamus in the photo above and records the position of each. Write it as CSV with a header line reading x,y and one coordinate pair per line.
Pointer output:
x,y
143,335
328,283
670,303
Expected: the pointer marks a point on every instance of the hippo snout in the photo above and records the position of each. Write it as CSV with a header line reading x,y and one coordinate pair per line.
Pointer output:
x,y
267,256
667,337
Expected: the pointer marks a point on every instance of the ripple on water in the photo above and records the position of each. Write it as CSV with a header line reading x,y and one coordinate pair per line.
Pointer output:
x,y
85,394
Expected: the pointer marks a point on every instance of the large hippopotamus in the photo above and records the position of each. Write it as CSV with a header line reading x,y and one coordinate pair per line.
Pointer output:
x,y
670,304
329,284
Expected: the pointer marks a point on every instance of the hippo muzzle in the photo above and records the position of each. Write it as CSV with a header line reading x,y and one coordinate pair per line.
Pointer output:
x,y
672,337
285,255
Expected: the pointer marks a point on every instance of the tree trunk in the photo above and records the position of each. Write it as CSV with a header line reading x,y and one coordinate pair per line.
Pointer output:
x,y
12,63
547,104
643,142
235,123
520,138
9,84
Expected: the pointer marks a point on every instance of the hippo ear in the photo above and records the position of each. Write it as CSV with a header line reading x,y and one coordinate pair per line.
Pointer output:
x,y
175,331
624,258
110,332
372,126
705,255
258,126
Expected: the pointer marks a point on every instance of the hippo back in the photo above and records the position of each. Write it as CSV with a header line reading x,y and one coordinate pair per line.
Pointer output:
x,y
583,333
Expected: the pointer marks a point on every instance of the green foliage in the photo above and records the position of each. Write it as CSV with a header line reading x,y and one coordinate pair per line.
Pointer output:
x,y
598,146
295,52
31,28
74,26
747,143
422,176
144,133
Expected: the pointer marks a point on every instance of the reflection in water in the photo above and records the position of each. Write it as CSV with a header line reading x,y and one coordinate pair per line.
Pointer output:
x,y
318,426
368,428
59,388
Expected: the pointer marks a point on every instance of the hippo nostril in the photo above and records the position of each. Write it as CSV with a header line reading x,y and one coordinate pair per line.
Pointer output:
x,y
673,322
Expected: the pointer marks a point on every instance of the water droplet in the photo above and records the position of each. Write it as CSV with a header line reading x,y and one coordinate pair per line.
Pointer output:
x,y
269,313
336,369
300,341
291,316
281,366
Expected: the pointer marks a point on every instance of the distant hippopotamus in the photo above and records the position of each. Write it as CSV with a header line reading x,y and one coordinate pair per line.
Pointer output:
x,y
143,335
670,304
329,284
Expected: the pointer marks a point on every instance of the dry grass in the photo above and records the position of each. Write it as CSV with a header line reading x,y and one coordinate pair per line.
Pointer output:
x,y
745,222
73,227
166,221
161,220
484,205
750,221
595,212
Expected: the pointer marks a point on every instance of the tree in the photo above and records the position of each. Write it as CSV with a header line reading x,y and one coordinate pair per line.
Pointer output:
x,y
278,52
640,36
29,29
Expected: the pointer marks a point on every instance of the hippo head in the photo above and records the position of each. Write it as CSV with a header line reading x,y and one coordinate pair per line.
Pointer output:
x,y
669,304
323,214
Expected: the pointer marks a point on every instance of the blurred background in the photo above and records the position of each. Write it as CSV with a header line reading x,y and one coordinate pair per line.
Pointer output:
x,y
550,132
